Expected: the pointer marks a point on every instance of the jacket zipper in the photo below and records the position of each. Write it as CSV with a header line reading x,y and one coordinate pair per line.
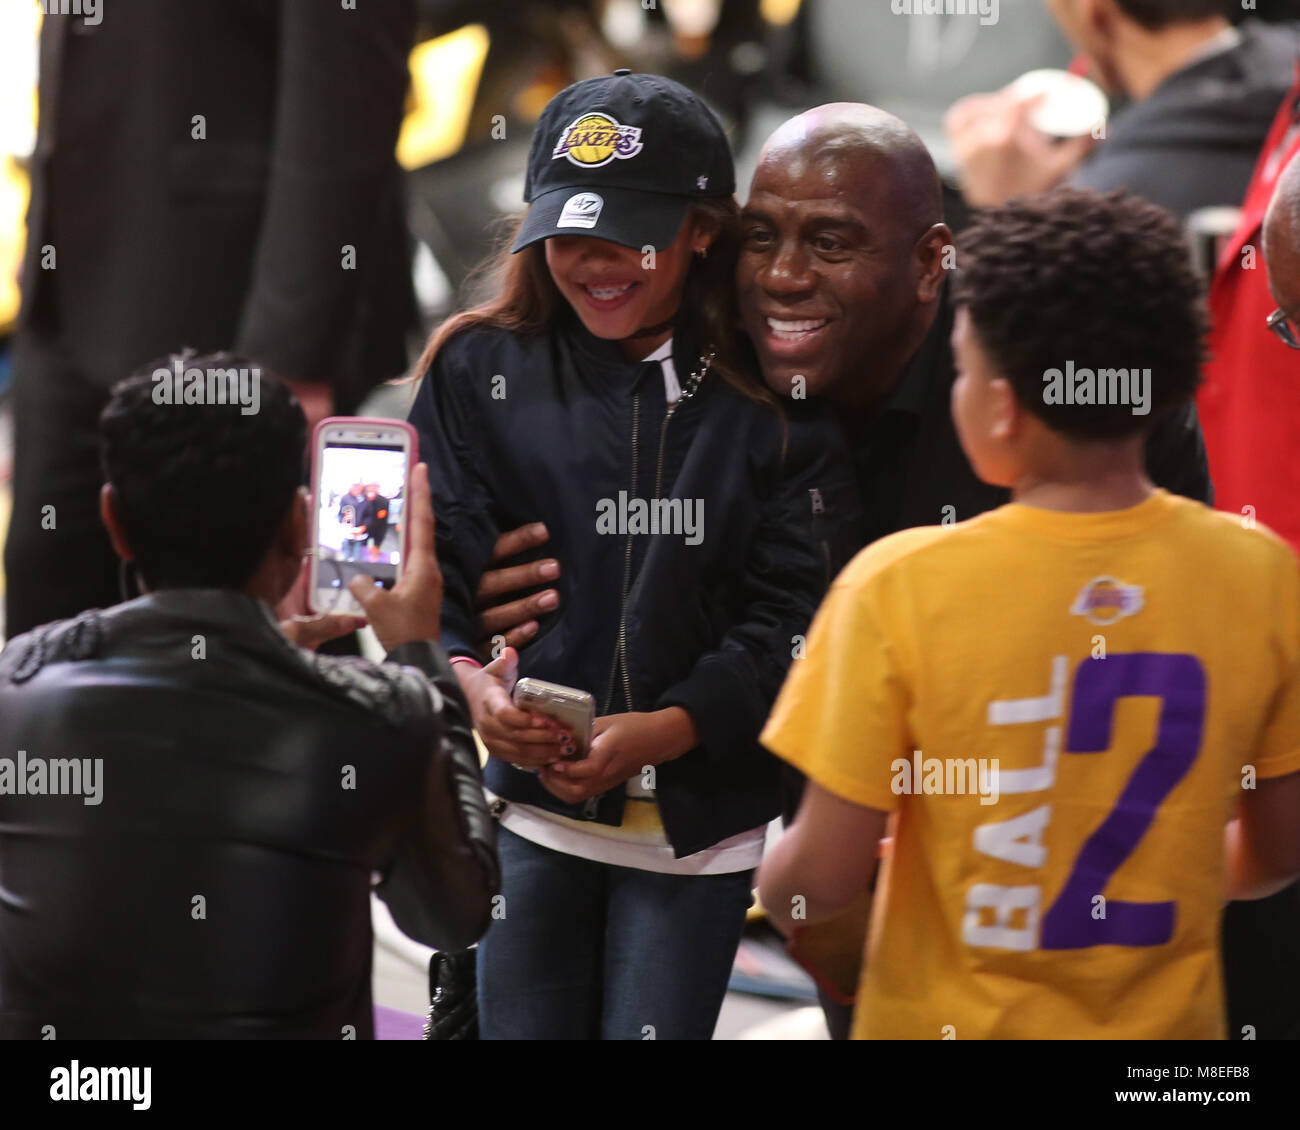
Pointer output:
x,y
620,651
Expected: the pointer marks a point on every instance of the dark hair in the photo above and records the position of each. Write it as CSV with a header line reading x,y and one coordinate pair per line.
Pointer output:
x,y
525,299
201,488
1156,14
1104,282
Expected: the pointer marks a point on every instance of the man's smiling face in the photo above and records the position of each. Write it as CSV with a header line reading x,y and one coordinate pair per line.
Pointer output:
x,y
827,275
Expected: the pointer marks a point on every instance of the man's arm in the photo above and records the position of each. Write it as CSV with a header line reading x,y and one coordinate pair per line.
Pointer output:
x,y
1263,843
445,872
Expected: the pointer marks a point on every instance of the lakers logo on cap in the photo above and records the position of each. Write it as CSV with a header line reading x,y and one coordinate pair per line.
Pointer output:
x,y
1105,600
597,139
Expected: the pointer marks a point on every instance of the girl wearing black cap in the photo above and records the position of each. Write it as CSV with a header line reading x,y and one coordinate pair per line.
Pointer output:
x,y
606,392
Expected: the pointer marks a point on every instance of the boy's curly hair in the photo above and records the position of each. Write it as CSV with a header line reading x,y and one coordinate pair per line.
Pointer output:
x,y
1103,281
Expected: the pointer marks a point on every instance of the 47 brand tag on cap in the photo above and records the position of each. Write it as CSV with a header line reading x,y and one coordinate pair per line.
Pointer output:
x,y
597,139
581,211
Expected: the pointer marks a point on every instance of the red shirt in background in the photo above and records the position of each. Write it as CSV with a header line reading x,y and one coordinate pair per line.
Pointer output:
x,y
1250,402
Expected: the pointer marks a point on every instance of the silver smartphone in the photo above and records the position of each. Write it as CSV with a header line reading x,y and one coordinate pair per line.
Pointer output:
x,y
361,480
573,709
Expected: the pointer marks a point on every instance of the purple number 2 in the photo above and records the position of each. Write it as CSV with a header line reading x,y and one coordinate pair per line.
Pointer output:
x,y
1179,682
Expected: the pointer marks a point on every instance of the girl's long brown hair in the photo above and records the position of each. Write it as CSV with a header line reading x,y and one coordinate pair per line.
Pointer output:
x,y
526,300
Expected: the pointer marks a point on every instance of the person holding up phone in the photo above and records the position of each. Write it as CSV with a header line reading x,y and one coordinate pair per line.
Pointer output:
x,y
605,391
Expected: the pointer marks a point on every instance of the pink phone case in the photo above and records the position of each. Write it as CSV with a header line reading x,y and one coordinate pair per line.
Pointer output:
x,y
317,448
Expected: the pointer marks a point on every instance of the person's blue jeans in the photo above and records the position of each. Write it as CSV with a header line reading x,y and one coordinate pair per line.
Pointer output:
x,y
589,951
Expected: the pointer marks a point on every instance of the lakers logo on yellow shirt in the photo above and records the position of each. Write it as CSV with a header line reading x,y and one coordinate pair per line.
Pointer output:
x,y
1105,600
597,139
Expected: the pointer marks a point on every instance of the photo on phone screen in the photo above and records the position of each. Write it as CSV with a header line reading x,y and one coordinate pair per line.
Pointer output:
x,y
361,489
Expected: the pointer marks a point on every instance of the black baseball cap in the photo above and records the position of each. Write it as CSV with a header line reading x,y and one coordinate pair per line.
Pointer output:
x,y
621,158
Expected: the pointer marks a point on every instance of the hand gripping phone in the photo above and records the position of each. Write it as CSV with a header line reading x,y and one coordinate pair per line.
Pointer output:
x,y
573,709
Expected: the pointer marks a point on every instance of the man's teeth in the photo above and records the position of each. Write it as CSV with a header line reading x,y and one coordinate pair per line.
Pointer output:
x,y
794,329
608,293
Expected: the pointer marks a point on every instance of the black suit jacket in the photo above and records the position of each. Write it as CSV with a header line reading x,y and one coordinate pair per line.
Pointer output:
x,y
268,782
234,239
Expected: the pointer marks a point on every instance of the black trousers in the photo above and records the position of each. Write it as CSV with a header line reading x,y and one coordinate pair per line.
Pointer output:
x,y
58,559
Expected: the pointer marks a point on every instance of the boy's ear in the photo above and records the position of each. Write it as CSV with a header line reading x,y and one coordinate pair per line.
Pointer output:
x,y
1006,415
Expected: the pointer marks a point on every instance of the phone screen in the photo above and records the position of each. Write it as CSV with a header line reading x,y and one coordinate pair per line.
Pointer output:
x,y
360,496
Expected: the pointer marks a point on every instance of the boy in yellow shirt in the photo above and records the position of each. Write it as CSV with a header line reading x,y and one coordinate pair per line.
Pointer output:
x,y
1084,707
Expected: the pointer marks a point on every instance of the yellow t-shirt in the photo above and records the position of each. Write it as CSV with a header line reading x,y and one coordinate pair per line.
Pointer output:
x,y
1081,899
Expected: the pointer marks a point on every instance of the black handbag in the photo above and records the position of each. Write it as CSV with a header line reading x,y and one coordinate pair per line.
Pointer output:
x,y
453,996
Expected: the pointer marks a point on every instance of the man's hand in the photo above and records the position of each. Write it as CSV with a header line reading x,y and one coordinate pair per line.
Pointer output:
x,y
623,746
516,619
1001,154
412,609
526,741
312,631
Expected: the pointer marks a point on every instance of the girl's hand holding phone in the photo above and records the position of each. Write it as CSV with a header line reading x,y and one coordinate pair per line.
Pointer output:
x,y
528,741
622,746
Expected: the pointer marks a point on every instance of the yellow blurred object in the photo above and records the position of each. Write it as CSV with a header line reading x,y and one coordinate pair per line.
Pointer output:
x,y
14,192
445,73
780,12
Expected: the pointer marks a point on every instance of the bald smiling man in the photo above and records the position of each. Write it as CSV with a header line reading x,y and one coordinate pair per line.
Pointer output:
x,y
842,282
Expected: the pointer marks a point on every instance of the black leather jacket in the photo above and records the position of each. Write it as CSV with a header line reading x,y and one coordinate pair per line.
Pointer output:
x,y
215,880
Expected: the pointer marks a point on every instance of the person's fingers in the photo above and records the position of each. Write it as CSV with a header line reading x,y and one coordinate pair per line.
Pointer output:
x,y
498,706
515,541
312,631
498,582
964,111
588,768
1068,153
366,592
519,636
506,616
505,667
527,735
567,791
531,754
421,532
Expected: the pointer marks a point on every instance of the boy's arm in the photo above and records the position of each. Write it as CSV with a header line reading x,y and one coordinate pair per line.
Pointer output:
x,y
823,862
1263,843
